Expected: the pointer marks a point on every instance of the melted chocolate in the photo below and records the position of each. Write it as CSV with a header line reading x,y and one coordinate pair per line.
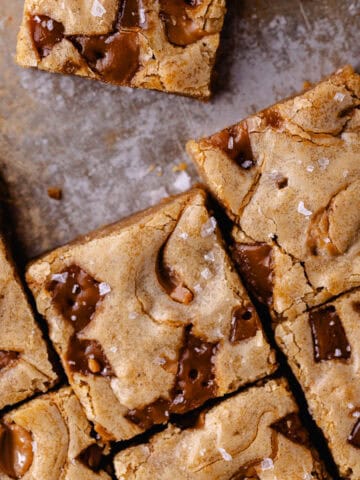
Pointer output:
x,y
46,33
291,427
16,453
235,143
194,384
87,357
92,457
244,324
170,281
76,295
272,118
255,265
354,437
115,57
356,306
130,16
180,28
329,337
7,357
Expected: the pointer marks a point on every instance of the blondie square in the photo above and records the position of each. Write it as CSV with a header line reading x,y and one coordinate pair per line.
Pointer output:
x,y
149,317
255,435
24,364
289,177
49,438
167,45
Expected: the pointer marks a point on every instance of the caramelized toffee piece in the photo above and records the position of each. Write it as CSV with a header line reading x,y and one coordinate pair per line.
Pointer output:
x,y
235,143
291,427
46,33
329,337
170,282
195,384
76,295
16,453
354,437
115,57
181,29
7,357
87,357
244,324
255,265
92,457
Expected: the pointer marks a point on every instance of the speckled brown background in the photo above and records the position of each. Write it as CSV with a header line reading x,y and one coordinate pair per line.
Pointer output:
x,y
113,150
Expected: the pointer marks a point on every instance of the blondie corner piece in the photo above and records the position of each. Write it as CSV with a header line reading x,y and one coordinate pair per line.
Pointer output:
x,y
49,438
149,317
256,434
290,179
323,349
24,364
167,45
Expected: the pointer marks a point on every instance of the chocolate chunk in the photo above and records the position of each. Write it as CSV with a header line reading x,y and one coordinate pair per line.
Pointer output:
x,y
16,453
76,295
92,457
46,33
354,437
235,143
115,56
272,118
329,337
156,413
244,323
180,28
194,384
132,14
171,282
255,265
7,357
87,357
291,427
356,306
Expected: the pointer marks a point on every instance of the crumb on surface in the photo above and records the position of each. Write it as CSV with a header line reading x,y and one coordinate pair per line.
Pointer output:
x,y
55,193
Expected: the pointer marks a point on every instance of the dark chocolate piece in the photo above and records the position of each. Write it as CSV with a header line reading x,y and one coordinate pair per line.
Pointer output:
x,y
235,143
46,33
7,357
329,337
76,295
171,282
131,16
244,323
180,28
194,384
291,427
92,457
16,453
354,437
87,357
255,265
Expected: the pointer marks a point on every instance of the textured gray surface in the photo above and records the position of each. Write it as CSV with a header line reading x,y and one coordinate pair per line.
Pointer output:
x,y
113,150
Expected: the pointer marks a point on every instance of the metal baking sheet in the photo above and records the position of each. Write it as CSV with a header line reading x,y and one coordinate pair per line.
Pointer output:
x,y
113,150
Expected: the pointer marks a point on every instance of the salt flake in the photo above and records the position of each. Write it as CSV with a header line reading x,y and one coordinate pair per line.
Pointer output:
x,y
225,455
104,288
206,274
231,143
209,257
304,211
184,235
97,9
182,182
209,227
267,464
60,277
310,168
323,163
337,352
339,97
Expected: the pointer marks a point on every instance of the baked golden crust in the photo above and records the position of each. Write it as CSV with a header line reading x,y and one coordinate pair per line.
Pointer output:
x,y
165,316
167,45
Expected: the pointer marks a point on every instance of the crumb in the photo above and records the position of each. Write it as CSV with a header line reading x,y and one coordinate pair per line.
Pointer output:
x,y
55,193
181,167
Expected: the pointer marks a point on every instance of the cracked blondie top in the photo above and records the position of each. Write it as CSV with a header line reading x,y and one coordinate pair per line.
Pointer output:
x,y
255,435
24,363
323,348
49,438
149,317
289,178
167,45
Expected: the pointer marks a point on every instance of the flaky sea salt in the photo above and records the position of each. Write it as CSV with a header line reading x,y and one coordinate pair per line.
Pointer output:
x,y
356,414
209,257
304,211
323,163
310,168
132,315
209,227
267,464
34,446
197,288
339,97
337,352
60,277
231,143
104,288
113,349
350,406
206,273
97,9
50,25
182,182
225,455
345,173
184,235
